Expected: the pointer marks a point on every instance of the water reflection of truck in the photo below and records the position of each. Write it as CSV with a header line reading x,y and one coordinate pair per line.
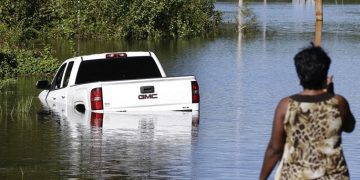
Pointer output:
x,y
121,82
170,121
95,145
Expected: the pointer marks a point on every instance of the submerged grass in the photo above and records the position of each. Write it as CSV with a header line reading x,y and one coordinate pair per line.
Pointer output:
x,y
6,82
20,112
3,106
21,109
24,105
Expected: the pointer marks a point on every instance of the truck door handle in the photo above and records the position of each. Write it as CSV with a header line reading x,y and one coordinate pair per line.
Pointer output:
x,y
63,97
147,89
54,98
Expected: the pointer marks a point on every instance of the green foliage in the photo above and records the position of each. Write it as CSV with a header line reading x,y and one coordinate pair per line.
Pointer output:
x,y
170,18
26,62
109,19
7,65
6,82
15,59
30,62
31,17
100,19
10,37
24,21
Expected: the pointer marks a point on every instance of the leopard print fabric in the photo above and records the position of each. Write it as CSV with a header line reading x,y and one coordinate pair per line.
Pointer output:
x,y
313,144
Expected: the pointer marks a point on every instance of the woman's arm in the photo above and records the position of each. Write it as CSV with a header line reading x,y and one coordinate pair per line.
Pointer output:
x,y
275,147
348,118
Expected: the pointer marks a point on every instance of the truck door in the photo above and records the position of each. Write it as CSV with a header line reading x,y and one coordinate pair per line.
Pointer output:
x,y
58,90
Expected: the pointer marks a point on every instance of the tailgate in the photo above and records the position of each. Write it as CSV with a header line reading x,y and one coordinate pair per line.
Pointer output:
x,y
165,93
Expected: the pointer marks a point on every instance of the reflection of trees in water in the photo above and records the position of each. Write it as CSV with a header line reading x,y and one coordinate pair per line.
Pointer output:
x,y
303,2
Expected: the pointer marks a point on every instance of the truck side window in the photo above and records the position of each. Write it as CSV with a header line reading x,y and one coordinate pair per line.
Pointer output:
x,y
58,77
67,74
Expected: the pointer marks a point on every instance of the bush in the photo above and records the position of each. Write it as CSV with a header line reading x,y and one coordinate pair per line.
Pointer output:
x,y
170,19
8,65
26,62
110,19
31,63
15,60
31,18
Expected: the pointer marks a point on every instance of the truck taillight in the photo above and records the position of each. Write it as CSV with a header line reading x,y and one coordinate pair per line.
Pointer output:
x,y
96,99
195,92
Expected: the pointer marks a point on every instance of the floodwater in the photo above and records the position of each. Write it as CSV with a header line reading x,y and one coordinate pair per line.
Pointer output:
x,y
241,80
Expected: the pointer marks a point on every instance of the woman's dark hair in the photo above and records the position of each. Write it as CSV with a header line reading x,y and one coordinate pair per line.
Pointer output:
x,y
312,65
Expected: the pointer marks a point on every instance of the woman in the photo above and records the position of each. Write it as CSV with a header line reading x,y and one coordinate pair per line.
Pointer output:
x,y
307,126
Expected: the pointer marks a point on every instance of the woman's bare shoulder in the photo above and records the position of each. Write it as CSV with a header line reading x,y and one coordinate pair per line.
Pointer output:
x,y
342,100
283,104
285,100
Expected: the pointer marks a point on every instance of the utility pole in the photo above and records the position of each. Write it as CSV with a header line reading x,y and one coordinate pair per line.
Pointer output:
x,y
319,10
319,21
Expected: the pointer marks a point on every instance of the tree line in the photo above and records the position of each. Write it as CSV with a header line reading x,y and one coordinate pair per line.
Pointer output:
x,y
24,21
109,19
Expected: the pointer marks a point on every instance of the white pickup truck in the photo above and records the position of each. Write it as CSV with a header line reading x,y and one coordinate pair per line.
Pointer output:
x,y
119,82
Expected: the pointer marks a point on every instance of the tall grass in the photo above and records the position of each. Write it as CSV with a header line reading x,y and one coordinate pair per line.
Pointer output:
x,y
3,109
24,105
1,112
21,109
6,82
17,112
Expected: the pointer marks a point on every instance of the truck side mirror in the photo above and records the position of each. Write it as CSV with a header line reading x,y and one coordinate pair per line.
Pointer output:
x,y
43,84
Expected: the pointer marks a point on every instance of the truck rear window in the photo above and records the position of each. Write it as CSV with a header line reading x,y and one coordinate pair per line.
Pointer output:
x,y
117,69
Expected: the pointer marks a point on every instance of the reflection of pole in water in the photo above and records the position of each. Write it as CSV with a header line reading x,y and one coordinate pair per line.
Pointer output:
x,y
238,63
319,21
239,49
239,53
264,24
303,2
